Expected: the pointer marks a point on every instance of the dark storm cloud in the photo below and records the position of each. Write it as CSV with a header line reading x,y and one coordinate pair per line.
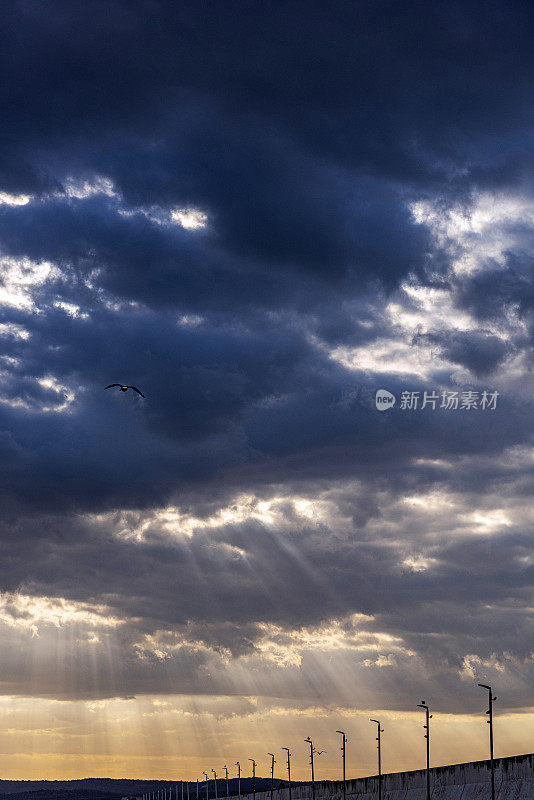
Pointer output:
x,y
491,294
447,67
304,132
480,351
232,397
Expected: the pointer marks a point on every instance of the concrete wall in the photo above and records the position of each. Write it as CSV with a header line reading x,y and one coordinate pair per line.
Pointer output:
x,y
514,780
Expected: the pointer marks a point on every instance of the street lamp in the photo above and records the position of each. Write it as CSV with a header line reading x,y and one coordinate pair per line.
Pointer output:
x,y
311,764
253,777
423,705
215,778
238,765
490,723
273,762
343,748
207,786
197,790
225,768
380,730
312,751
288,770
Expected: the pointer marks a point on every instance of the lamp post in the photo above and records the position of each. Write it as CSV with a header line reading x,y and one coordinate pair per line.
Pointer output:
x,y
288,770
273,762
311,765
423,705
197,790
215,779
490,723
253,777
343,749
207,786
380,730
226,773
312,751
238,765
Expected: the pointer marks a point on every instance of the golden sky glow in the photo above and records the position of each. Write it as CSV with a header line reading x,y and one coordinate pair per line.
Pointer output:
x,y
177,737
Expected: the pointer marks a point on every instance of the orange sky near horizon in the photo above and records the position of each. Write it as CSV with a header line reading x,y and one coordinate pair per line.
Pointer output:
x,y
165,738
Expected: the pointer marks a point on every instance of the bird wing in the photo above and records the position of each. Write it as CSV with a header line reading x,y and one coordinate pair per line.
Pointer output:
x,y
136,390
111,384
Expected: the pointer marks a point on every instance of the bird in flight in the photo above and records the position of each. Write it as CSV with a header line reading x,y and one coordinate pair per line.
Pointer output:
x,y
124,388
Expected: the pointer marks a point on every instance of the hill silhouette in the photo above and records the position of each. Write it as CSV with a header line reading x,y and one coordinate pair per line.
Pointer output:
x,y
117,788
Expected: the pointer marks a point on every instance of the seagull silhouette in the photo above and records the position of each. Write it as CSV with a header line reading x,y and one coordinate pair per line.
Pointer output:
x,y
124,388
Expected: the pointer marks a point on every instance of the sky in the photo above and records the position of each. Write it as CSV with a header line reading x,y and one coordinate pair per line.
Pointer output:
x,y
261,214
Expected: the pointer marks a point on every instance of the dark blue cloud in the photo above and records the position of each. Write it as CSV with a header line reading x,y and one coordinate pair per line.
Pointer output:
x,y
304,132
480,351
